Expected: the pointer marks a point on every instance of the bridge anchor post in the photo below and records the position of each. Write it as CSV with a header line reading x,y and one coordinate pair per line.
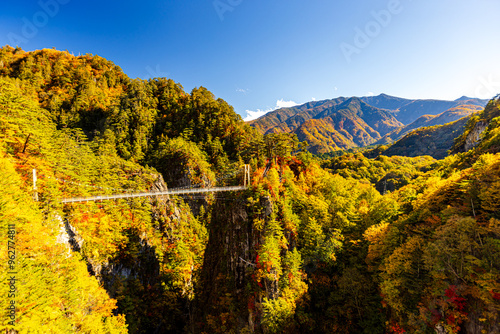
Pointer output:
x,y
247,176
35,189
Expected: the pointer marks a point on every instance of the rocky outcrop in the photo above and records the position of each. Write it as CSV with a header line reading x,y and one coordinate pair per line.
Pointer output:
x,y
439,329
229,258
228,249
68,236
474,325
474,137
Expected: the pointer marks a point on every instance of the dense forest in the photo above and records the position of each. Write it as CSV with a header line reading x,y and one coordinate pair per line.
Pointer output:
x,y
358,242
343,123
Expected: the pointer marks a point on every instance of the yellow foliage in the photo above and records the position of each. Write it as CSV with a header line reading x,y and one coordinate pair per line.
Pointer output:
x,y
376,235
55,293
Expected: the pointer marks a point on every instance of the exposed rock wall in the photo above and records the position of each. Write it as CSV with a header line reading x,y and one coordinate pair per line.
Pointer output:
x,y
474,137
474,325
229,255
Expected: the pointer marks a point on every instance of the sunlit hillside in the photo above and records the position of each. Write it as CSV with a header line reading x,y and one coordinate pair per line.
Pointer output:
x,y
360,242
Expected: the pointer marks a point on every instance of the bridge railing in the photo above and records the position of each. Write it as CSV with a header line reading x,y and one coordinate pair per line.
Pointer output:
x,y
177,191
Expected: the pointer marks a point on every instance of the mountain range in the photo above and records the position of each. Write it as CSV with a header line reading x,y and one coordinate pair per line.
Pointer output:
x,y
349,244
347,122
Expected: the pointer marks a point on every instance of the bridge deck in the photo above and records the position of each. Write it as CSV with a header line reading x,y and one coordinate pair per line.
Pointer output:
x,y
148,194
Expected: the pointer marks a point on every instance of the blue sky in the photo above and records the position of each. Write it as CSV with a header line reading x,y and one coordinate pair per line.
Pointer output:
x,y
258,54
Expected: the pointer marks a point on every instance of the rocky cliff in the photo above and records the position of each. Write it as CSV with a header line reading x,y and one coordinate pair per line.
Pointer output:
x,y
474,137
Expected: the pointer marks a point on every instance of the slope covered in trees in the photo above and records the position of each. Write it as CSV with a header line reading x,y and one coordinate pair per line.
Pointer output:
x,y
432,140
345,245
345,123
458,136
412,111
138,250
481,131
333,124
448,116
136,116
55,292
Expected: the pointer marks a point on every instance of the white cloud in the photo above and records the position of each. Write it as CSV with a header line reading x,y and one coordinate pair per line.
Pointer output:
x,y
285,104
241,90
370,94
251,115
313,98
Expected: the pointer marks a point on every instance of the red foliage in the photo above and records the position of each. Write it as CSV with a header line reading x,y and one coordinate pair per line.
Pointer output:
x,y
395,328
495,295
459,302
258,265
433,220
251,304
450,292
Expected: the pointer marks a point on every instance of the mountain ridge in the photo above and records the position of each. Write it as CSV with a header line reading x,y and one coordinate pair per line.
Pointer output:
x,y
443,118
348,122
308,247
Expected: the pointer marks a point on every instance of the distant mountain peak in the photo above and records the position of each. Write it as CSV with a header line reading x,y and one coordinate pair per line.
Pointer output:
x,y
385,101
387,96
346,122
352,99
464,98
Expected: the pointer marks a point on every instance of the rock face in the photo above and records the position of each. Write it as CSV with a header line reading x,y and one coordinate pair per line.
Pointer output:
x,y
68,236
159,185
475,326
474,137
439,329
229,254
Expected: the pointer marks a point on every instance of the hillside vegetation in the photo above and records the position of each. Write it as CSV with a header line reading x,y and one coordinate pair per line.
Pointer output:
x,y
438,140
344,245
448,116
345,123
432,140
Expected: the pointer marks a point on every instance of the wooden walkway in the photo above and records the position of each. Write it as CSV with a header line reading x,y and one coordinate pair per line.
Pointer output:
x,y
150,194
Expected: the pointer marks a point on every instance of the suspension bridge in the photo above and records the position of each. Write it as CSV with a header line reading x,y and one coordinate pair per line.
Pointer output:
x,y
177,191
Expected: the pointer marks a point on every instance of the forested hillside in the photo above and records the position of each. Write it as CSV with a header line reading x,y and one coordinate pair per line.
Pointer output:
x,y
448,116
344,245
435,141
345,123
438,140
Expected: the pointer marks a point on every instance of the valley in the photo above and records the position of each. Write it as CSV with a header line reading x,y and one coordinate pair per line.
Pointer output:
x,y
345,123
402,236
